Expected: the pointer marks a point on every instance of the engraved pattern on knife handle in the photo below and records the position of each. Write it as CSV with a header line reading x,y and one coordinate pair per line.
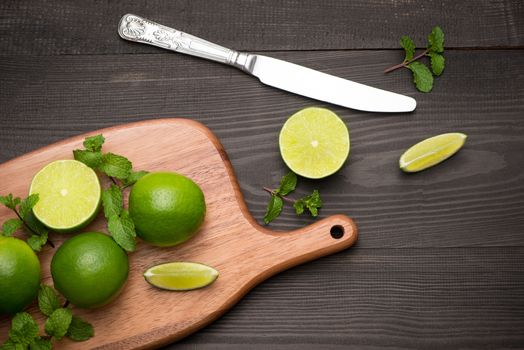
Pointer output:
x,y
136,28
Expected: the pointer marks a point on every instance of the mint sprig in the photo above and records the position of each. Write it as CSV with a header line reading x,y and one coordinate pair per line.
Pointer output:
x,y
287,185
120,170
422,75
37,233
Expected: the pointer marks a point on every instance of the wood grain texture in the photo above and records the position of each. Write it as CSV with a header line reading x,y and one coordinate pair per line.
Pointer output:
x,y
230,240
89,27
473,199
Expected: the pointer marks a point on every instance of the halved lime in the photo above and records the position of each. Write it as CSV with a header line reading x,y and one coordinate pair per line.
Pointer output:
x,y
314,142
181,276
69,193
431,151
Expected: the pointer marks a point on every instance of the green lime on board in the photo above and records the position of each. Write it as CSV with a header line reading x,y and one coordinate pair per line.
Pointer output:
x,y
19,275
167,208
89,269
314,142
181,276
69,195
431,151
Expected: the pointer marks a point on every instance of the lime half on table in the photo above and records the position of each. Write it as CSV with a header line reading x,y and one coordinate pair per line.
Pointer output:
x,y
431,151
69,195
314,142
181,276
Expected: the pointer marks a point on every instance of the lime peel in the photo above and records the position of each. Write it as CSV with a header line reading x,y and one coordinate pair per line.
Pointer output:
x,y
181,276
431,151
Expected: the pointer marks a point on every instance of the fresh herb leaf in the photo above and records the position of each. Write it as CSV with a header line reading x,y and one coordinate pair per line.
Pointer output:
x,y
115,166
112,201
311,202
48,300
122,229
287,184
26,206
274,208
134,177
33,225
437,63
41,344
79,330
11,226
92,159
58,323
421,76
436,40
24,329
94,143
9,201
10,345
36,242
409,47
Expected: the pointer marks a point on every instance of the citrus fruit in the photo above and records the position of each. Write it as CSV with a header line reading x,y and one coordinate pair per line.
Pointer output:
x,y
89,269
314,142
167,208
69,195
181,275
19,275
431,151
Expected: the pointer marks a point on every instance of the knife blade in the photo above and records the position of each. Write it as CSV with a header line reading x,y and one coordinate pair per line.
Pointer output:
x,y
270,71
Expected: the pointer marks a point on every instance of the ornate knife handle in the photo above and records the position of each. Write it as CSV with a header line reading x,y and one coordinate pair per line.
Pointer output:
x,y
142,30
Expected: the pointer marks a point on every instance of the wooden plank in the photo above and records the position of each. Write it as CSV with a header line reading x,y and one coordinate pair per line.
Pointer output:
x,y
474,199
89,27
382,299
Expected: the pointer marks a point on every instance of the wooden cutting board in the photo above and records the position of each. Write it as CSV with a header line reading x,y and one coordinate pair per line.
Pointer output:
x,y
230,240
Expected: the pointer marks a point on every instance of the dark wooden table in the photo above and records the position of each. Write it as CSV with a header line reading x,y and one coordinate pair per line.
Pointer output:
x,y
440,258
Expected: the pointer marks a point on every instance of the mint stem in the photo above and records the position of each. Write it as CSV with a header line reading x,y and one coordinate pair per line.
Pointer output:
x,y
406,63
274,193
30,229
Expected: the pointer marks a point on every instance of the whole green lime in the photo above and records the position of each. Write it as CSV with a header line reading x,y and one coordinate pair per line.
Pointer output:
x,y
167,208
89,269
19,275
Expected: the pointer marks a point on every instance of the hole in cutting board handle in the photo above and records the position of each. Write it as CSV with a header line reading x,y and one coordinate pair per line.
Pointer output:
x,y
337,231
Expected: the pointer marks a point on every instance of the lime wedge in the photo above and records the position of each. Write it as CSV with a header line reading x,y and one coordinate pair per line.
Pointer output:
x,y
314,142
69,193
431,151
181,276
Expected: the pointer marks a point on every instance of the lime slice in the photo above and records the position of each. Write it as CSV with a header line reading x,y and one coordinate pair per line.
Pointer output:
x,y
181,276
314,142
69,193
431,151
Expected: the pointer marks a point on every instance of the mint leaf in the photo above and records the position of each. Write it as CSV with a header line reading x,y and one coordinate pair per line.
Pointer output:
x,y
9,201
287,184
36,242
26,206
274,208
94,143
299,206
437,63
112,201
134,177
24,329
41,344
10,345
11,226
422,76
115,166
122,229
436,40
311,202
48,300
58,323
79,330
409,47
92,159
34,225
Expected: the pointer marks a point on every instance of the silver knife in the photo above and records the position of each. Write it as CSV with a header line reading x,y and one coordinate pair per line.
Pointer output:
x,y
271,71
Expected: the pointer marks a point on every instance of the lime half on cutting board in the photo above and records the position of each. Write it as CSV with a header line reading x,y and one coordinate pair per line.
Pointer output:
x,y
69,195
314,142
431,151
